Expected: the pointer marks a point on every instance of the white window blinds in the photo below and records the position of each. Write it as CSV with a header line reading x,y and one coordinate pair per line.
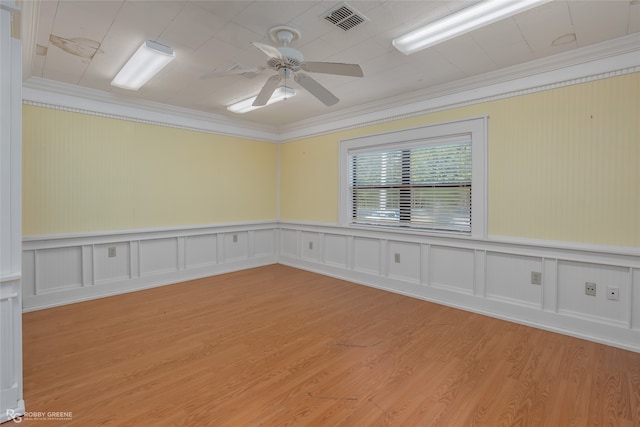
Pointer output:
x,y
419,186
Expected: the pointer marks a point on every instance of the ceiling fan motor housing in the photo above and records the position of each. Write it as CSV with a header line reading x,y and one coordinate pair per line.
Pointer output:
x,y
294,57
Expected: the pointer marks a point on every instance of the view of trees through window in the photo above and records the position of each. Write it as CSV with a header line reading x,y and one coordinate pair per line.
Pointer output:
x,y
427,187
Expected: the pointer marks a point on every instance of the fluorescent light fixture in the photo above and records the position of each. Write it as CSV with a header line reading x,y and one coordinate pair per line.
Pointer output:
x,y
463,21
280,94
150,58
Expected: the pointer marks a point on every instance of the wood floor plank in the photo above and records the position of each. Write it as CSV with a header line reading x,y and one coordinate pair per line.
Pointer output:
x,y
277,346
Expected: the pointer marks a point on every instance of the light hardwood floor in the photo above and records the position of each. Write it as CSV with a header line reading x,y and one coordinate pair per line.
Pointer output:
x,y
277,346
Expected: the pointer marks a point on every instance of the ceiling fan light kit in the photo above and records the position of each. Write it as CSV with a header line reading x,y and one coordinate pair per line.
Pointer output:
x,y
281,93
461,22
148,60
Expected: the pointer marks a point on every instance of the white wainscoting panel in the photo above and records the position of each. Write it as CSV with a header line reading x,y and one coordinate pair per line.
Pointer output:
x,y
403,261
236,246
573,300
64,269
335,250
201,250
58,269
111,262
509,279
491,277
289,243
264,242
366,255
452,268
310,246
158,256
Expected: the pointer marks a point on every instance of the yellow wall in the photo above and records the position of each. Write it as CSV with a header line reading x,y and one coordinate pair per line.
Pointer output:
x,y
84,173
563,164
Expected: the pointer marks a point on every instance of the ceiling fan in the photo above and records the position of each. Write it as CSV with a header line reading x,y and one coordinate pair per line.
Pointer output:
x,y
289,62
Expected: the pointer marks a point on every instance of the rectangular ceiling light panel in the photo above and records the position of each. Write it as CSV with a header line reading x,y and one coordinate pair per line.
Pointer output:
x,y
461,22
148,60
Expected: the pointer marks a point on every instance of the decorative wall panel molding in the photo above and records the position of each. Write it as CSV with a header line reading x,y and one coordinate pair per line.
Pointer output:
x,y
484,276
65,269
491,277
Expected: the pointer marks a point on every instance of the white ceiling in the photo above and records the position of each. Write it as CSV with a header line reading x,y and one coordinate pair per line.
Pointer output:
x,y
86,42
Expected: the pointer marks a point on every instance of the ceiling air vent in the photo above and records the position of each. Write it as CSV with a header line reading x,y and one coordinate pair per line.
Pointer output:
x,y
345,17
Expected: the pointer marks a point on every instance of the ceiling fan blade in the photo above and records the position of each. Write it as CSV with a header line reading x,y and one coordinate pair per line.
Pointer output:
x,y
316,89
267,90
352,70
270,51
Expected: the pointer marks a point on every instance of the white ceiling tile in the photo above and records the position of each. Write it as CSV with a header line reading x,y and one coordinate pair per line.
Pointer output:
x,y
192,27
47,15
503,42
64,67
509,54
543,24
239,36
634,18
226,10
215,55
403,16
362,52
465,53
435,68
595,21
145,20
318,50
501,33
89,20
261,16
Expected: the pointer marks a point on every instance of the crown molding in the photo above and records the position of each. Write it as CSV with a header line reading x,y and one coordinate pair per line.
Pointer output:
x,y
29,25
611,58
607,59
69,97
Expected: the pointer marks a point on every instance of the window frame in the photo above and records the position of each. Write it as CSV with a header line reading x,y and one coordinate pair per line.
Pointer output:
x,y
474,128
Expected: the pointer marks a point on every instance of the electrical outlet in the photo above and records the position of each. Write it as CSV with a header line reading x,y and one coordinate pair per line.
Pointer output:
x,y
235,238
536,278
613,293
112,251
396,258
310,245
590,289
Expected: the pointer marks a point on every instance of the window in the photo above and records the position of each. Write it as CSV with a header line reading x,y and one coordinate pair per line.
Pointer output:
x,y
422,179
